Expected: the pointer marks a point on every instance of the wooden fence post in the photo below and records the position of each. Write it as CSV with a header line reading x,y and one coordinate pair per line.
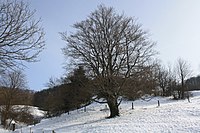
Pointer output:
x,y
132,106
158,103
85,109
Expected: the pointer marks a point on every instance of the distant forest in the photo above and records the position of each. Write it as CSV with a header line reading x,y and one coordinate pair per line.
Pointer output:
x,y
193,83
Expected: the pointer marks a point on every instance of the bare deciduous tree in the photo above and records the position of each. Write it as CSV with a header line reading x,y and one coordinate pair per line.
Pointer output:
x,y
21,37
112,47
163,79
10,83
183,72
53,82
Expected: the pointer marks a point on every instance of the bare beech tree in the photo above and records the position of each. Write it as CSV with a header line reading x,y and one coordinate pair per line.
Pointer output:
x,y
21,37
112,47
183,72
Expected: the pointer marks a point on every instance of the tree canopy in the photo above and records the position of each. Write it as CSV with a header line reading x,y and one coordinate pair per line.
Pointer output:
x,y
21,37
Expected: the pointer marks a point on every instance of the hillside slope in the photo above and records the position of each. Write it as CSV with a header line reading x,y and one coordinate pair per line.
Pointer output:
x,y
171,116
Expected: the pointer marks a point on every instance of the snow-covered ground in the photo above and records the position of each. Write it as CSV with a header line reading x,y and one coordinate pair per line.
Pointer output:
x,y
172,116
36,112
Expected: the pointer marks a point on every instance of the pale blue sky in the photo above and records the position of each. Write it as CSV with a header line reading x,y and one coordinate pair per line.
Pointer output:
x,y
173,24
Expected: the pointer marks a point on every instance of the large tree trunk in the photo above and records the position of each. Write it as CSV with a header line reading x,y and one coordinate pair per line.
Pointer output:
x,y
183,89
183,93
113,106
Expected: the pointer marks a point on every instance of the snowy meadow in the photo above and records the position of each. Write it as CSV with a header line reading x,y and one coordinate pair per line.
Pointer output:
x,y
171,116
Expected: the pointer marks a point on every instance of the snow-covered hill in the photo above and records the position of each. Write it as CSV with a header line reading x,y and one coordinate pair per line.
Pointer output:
x,y
172,116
